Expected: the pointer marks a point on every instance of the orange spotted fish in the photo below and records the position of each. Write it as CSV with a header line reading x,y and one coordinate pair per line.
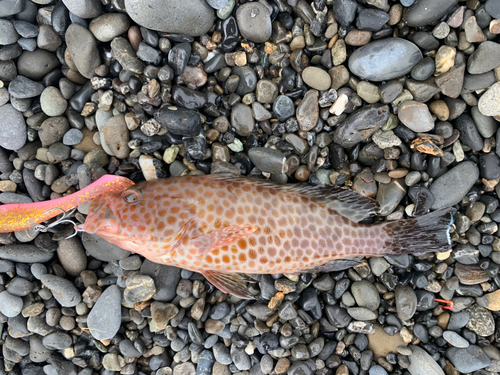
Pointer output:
x,y
224,226
15,217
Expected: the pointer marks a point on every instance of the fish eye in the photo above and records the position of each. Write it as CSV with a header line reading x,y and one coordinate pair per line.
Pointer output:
x,y
131,196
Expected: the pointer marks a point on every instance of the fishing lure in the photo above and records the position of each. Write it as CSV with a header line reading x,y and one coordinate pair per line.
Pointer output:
x,y
15,217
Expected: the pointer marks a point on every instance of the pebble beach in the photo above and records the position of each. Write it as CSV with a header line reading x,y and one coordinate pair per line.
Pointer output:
x,y
398,100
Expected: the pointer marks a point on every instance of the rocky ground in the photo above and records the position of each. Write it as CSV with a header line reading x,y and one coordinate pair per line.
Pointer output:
x,y
399,100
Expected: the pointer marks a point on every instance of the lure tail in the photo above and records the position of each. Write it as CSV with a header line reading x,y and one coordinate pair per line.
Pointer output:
x,y
423,234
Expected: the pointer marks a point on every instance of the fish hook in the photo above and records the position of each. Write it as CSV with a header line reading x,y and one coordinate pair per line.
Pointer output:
x,y
62,220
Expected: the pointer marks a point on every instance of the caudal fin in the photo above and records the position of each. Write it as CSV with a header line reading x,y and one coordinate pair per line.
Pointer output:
x,y
423,234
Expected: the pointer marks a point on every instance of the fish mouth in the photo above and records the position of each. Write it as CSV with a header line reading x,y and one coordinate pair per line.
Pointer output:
x,y
101,219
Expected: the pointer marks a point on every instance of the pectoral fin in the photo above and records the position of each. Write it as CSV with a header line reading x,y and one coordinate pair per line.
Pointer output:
x,y
220,238
232,283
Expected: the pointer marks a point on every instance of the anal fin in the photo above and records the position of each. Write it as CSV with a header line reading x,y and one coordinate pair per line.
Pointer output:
x,y
232,283
220,238
335,265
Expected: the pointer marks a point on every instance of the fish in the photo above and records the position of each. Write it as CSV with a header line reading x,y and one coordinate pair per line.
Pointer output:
x,y
228,228
16,217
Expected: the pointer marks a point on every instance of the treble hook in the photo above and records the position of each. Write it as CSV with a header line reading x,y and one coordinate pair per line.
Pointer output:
x,y
62,220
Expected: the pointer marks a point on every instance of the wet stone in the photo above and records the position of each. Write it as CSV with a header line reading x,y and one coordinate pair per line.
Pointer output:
x,y
268,160
242,120
308,111
469,134
248,79
179,121
283,107
361,124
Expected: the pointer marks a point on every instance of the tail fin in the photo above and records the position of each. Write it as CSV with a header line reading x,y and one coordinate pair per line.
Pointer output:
x,y
423,234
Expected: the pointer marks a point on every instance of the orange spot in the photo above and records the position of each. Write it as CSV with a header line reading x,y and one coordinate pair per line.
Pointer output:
x,y
242,257
171,220
252,241
234,250
242,244
161,225
264,260
217,260
174,210
252,254
225,259
134,217
210,207
209,259
142,228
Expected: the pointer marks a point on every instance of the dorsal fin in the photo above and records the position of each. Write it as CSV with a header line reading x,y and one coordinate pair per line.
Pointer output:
x,y
345,202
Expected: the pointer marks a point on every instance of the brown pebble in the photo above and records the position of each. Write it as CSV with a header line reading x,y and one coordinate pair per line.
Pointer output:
x,y
193,76
495,27
134,37
443,319
440,109
398,173
302,173
282,366
358,38
395,14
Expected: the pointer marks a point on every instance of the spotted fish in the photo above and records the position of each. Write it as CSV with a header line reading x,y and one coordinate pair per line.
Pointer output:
x,y
224,227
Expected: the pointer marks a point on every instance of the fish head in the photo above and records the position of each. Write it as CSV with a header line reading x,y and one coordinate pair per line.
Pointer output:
x,y
107,213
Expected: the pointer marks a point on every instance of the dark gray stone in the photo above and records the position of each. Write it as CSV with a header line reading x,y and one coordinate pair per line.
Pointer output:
x,y
105,317
361,124
451,187
179,121
190,17
254,22
468,132
12,128
427,12
467,360
82,47
384,59
84,8
64,291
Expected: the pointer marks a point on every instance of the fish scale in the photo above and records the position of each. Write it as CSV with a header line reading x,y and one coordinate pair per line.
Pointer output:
x,y
225,226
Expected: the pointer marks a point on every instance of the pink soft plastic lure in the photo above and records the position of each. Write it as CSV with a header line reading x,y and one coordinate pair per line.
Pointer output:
x,y
15,217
